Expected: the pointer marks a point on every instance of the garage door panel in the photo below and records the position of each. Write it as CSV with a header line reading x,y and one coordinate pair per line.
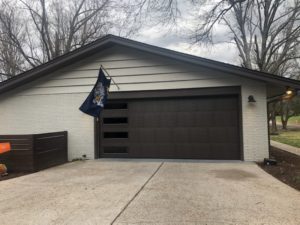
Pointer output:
x,y
198,135
188,128
190,135
184,119
223,134
142,106
163,135
227,105
151,150
180,134
115,113
135,135
142,135
193,151
158,119
152,119
203,105
224,118
114,128
225,150
203,119
136,120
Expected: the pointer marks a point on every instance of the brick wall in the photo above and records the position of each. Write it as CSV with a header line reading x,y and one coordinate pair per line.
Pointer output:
x,y
255,129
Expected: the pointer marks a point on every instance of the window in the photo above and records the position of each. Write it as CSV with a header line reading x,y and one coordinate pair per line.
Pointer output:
x,y
115,135
115,120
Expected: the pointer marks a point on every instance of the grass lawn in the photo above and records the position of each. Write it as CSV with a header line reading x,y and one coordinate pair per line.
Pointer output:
x,y
289,137
292,120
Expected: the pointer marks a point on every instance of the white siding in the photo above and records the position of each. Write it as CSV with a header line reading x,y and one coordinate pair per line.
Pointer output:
x,y
51,103
51,113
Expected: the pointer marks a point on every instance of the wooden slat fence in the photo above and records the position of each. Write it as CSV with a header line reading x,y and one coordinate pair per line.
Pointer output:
x,y
35,152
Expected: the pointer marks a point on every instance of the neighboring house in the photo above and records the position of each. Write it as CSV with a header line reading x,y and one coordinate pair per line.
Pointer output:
x,y
168,104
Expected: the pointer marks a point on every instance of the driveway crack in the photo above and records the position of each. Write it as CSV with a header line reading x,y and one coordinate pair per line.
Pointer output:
x,y
137,193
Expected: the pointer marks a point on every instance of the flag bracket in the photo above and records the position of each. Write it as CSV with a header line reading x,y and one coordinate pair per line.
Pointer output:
x,y
110,77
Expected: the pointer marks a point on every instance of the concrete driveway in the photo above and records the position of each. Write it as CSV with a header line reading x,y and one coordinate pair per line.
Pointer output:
x,y
149,192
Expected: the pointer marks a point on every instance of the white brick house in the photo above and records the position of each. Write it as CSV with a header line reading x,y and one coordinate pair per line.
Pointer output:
x,y
167,104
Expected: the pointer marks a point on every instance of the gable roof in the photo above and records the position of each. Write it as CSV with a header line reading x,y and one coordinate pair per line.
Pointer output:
x,y
111,40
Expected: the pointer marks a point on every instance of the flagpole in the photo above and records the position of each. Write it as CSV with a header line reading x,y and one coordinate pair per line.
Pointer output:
x,y
110,77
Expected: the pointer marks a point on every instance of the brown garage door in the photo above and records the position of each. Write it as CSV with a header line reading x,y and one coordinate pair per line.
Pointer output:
x,y
179,128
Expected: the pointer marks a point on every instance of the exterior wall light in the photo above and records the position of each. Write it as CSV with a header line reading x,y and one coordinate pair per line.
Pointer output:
x,y
251,98
289,92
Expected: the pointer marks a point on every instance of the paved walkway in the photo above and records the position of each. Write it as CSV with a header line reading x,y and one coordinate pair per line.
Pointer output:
x,y
150,192
287,148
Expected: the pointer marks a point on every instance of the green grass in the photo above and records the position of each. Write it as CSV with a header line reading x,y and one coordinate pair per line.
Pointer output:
x,y
289,137
292,120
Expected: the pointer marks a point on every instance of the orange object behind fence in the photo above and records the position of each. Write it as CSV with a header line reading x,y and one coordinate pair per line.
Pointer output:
x,y
5,147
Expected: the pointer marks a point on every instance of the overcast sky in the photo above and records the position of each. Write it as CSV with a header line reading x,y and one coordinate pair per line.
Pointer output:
x,y
221,51
178,40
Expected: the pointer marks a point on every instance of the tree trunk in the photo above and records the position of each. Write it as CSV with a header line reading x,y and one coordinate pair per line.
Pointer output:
x,y
284,124
274,129
286,112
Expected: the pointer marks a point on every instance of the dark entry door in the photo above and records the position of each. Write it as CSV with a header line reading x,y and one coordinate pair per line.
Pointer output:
x,y
179,128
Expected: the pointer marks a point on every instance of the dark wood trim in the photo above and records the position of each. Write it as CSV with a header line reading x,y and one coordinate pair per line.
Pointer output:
x,y
34,156
97,137
241,132
170,93
66,158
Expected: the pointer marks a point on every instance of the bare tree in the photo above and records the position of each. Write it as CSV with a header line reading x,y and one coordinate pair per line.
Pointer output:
x,y
11,38
287,109
157,12
266,33
272,113
36,31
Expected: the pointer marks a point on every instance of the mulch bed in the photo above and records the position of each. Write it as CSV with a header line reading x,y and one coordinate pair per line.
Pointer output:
x,y
13,175
287,169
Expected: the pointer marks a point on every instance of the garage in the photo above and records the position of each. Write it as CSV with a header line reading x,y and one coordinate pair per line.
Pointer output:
x,y
189,127
162,104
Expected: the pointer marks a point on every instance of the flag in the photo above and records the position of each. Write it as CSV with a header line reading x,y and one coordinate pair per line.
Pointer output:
x,y
96,100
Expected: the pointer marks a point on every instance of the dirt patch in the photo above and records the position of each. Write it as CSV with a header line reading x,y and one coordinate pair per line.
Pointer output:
x,y
13,175
233,174
287,169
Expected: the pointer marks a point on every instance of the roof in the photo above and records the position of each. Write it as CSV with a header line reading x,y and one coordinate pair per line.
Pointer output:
x,y
111,40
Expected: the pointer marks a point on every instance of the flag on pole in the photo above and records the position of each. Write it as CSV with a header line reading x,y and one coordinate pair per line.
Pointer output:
x,y
96,100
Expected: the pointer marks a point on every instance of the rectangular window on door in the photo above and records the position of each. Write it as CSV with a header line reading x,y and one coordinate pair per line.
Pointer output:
x,y
115,135
115,120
